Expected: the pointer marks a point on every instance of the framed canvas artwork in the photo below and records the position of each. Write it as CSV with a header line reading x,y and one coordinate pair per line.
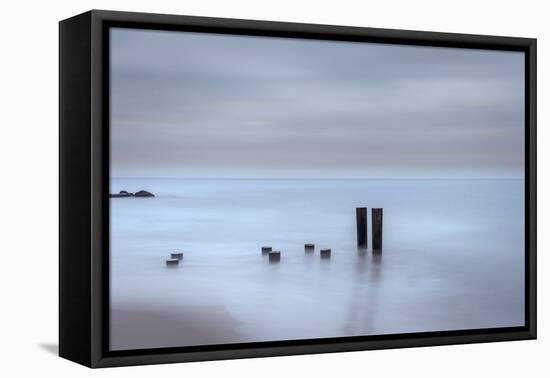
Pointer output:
x,y
234,188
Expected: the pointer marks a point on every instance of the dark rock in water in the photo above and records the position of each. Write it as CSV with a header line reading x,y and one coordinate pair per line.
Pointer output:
x,y
265,250
123,193
144,193
325,253
309,247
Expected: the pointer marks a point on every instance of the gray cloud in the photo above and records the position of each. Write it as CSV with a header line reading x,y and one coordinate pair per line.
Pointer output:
x,y
188,104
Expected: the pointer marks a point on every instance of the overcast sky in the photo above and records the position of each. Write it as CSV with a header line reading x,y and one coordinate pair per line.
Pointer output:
x,y
208,105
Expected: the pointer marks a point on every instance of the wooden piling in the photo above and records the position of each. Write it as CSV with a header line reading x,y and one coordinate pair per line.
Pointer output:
x,y
172,262
377,220
266,250
274,257
361,218
325,253
177,255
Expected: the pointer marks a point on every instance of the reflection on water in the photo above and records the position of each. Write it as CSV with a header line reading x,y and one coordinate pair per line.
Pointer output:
x,y
452,259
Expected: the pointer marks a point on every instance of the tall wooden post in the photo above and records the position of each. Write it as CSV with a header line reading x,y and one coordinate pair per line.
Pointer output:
x,y
361,217
377,220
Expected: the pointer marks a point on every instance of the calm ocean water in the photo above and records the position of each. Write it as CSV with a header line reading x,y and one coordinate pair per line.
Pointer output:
x,y
452,259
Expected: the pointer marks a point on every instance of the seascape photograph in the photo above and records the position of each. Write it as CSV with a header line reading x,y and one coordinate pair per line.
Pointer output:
x,y
273,189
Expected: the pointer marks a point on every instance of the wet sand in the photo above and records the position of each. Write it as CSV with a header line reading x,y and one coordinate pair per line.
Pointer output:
x,y
135,326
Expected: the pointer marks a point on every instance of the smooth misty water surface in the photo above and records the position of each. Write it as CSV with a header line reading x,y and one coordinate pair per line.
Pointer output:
x,y
452,259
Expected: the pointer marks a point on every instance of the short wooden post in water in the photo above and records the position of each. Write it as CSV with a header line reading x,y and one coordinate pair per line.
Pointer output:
x,y
309,248
266,250
177,255
361,217
274,257
172,262
377,220
325,253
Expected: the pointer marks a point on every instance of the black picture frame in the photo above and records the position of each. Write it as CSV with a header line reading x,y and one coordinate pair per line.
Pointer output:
x,y
84,188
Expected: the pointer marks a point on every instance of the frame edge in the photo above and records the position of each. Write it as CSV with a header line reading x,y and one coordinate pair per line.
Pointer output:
x,y
75,272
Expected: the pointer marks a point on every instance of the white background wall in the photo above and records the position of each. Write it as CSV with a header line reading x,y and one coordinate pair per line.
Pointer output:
x,y
29,189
